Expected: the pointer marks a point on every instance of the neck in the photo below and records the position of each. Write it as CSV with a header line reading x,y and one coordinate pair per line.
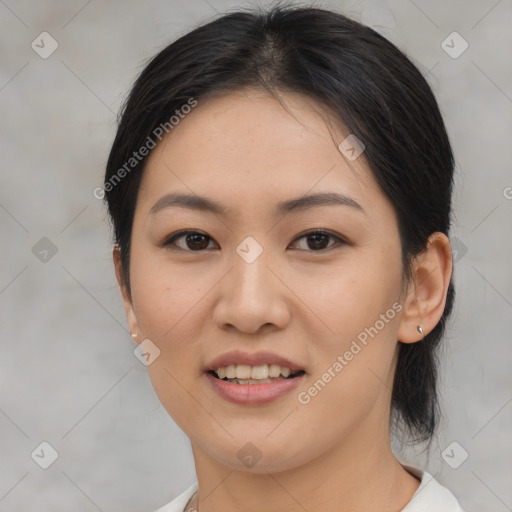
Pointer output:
x,y
349,477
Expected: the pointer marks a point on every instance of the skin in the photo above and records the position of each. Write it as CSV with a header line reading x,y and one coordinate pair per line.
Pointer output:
x,y
247,152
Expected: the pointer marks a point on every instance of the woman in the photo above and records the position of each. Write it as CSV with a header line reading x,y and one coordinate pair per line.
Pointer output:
x,y
280,192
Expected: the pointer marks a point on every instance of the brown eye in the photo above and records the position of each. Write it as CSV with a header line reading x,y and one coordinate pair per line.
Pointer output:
x,y
317,241
193,241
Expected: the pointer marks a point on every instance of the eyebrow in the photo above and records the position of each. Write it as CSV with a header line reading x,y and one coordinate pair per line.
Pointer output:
x,y
204,204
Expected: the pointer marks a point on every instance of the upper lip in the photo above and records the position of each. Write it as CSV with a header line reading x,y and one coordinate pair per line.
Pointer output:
x,y
257,358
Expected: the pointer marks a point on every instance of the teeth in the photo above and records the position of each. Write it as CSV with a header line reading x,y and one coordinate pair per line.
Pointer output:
x,y
230,371
259,372
245,373
274,370
251,381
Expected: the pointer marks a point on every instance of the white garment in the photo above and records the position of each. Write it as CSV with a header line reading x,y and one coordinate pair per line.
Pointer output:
x,y
430,496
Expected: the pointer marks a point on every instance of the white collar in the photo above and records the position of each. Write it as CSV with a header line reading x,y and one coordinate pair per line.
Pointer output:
x,y
430,496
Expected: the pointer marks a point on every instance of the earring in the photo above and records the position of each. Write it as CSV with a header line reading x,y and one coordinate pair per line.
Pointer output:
x,y
420,329
134,335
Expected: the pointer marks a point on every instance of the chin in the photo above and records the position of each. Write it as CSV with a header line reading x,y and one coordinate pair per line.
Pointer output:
x,y
258,456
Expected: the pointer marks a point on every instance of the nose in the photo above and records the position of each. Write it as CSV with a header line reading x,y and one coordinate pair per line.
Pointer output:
x,y
252,297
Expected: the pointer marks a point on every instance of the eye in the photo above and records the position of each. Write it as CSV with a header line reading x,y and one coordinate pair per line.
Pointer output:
x,y
318,240
193,241
196,241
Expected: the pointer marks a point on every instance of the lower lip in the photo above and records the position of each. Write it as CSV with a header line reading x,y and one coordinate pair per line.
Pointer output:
x,y
253,394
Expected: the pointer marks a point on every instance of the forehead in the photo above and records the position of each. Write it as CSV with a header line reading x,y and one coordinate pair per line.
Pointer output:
x,y
249,146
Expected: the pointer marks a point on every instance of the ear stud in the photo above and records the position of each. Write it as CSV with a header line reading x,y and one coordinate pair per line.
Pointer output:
x,y
420,329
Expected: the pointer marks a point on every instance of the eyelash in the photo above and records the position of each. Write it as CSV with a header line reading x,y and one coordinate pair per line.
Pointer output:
x,y
167,243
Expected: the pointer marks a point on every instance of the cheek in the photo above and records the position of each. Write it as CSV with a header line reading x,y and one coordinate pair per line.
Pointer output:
x,y
168,296
350,298
353,360
168,302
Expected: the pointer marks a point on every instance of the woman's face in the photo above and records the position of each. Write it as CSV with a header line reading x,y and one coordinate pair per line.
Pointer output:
x,y
250,286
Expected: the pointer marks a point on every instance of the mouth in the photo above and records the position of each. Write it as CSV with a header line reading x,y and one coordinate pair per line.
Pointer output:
x,y
257,374
253,379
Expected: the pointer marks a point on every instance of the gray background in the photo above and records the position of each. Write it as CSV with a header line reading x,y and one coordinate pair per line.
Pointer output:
x,y
68,375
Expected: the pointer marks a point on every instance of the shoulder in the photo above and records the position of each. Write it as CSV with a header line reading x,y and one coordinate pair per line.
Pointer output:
x,y
178,503
430,495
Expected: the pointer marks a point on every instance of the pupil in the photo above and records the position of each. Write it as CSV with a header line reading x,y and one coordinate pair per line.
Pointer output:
x,y
196,239
317,238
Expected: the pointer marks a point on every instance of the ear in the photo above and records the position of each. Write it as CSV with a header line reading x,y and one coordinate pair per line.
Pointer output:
x,y
127,300
426,293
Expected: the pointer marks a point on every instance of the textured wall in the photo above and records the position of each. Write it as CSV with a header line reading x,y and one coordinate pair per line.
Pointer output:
x,y
68,375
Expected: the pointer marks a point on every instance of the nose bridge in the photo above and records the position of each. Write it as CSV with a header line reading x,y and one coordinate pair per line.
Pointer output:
x,y
250,282
251,296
